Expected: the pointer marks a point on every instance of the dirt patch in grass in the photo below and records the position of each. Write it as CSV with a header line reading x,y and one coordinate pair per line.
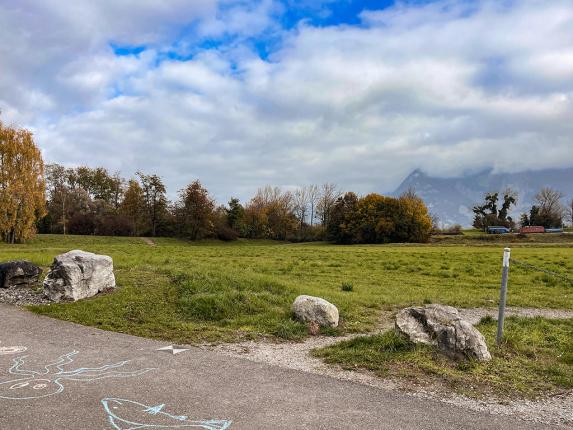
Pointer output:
x,y
148,241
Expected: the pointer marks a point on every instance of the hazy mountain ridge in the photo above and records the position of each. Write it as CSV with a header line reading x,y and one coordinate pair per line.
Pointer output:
x,y
452,199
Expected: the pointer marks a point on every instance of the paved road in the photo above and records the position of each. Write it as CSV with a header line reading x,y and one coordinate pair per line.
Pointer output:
x,y
75,377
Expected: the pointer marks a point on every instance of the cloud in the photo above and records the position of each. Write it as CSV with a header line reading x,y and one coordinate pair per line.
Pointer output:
x,y
243,18
450,87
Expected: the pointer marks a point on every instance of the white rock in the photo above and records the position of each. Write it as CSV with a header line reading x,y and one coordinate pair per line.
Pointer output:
x,y
442,326
314,309
77,275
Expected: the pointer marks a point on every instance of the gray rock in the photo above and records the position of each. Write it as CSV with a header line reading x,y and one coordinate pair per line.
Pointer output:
x,y
77,275
442,326
19,274
311,309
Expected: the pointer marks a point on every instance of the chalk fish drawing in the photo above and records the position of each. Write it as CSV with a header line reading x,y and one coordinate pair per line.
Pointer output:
x,y
32,384
8,350
129,415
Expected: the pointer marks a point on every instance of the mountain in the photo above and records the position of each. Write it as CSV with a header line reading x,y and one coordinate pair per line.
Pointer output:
x,y
452,199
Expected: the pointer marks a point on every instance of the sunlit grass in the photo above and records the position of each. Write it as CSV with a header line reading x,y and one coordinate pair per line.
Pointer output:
x,y
209,291
535,358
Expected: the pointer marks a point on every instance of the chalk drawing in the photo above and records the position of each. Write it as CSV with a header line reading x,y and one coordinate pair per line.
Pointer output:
x,y
48,381
8,350
172,349
129,415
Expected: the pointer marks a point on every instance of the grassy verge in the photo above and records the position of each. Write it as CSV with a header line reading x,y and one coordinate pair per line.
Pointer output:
x,y
188,307
213,291
536,358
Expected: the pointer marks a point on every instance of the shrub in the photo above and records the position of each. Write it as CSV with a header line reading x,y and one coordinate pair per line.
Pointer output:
x,y
113,225
379,219
346,286
82,224
226,233
308,233
453,230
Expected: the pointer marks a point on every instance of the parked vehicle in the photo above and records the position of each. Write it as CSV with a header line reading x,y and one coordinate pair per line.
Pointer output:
x,y
532,229
498,229
554,230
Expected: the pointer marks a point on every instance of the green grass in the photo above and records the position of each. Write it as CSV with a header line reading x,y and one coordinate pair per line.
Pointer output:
x,y
535,358
477,238
214,291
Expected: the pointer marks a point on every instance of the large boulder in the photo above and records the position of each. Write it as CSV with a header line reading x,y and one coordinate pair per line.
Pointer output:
x,y
309,309
442,327
19,274
77,275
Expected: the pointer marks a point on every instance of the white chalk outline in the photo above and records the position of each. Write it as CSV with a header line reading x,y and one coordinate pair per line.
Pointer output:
x,y
48,375
116,421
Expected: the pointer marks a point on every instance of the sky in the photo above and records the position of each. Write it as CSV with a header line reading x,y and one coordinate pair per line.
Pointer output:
x,y
240,94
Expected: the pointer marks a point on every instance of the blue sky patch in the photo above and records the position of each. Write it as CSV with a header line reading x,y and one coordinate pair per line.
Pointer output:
x,y
327,13
125,50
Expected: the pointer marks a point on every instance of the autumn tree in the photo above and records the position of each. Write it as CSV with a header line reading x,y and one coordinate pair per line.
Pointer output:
x,y
155,199
313,197
379,219
328,195
117,190
58,196
22,186
547,210
301,200
270,214
414,222
194,212
85,200
98,183
133,207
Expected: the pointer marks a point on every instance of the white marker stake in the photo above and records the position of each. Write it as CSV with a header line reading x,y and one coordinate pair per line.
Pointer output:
x,y
503,294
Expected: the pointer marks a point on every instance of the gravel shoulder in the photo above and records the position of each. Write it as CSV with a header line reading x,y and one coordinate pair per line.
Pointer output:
x,y
23,296
551,410
288,355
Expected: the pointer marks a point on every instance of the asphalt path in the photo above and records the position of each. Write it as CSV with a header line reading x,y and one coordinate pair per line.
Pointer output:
x,y
59,375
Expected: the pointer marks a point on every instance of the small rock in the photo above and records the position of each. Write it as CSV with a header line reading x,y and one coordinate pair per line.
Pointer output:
x,y
309,309
19,274
77,275
442,326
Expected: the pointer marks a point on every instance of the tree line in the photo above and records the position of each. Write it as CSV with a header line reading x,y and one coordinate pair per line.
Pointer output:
x,y
92,201
85,200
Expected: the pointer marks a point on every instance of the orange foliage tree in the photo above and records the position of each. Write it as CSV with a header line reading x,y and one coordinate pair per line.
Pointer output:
x,y
379,219
22,185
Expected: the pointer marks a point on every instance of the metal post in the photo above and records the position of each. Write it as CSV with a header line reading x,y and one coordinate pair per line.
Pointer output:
x,y
503,294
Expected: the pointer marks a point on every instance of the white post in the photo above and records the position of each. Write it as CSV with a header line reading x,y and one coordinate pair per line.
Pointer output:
x,y
503,294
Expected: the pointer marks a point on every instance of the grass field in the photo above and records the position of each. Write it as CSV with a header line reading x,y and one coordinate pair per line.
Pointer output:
x,y
213,291
535,358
